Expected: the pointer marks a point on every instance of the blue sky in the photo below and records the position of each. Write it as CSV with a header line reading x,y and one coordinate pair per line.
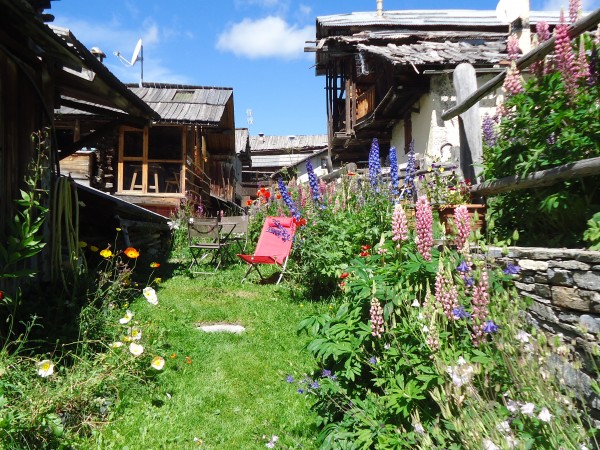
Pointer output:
x,y
253,46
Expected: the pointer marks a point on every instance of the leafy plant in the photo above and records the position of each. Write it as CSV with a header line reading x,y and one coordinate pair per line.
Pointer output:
x,y
592,234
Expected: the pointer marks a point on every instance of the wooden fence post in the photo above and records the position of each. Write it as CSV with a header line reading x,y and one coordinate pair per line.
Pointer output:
x,y
471,152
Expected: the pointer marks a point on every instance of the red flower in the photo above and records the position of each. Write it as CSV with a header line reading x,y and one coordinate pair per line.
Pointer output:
x,y
365,247
1,295
363,254
278,196
248,202
300,222
342,285
344,275
267,194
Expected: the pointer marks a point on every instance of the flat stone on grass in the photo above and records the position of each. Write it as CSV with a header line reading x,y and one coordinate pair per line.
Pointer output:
x,y
221,328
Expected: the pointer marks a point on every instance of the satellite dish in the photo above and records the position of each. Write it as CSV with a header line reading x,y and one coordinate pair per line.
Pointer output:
x,y
508,11
138,55
136,52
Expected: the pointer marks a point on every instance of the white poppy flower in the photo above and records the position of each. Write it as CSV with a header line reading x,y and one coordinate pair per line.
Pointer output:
x,y
45,368
136,349
127,318
150,295
158,362
544,415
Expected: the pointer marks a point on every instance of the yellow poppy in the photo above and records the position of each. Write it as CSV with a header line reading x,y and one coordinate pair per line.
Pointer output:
x,y
106,253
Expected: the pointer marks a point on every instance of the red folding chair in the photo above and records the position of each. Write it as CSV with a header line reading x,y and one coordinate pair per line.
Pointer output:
x,y
273,247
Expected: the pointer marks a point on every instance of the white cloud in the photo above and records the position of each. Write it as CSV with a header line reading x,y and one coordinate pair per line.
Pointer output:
x,y
305,10
264,38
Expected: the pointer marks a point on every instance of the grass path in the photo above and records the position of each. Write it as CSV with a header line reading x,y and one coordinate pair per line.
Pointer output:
x,y
225,390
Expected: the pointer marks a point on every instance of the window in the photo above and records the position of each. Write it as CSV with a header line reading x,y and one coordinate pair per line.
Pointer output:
x,y
151,160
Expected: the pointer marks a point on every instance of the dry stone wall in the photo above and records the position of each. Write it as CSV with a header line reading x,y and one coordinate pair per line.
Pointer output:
x,y
564,286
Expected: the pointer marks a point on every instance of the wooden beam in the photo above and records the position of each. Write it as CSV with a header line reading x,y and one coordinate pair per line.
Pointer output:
x,y
583,168
537,54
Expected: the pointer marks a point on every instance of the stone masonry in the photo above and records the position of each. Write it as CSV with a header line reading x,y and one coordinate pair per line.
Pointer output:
x,y
564,286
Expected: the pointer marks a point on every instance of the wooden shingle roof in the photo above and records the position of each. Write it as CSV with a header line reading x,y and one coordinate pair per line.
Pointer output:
x,y
184,104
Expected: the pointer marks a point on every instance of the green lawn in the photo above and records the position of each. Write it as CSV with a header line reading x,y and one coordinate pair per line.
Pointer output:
x,y
225,390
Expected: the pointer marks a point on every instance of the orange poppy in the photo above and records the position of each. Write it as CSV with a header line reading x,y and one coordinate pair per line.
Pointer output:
x,y
131,252
155,265
278,196
248,202
188,360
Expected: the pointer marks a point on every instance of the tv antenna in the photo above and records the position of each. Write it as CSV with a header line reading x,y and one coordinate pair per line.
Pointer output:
x,y
507,11
138,55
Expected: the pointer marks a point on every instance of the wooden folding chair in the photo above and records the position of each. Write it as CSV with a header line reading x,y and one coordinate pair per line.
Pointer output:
x,y
273,247
204,240
234,229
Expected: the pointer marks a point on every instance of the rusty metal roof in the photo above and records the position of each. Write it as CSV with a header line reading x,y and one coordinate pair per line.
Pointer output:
x,y
464,18
273,144
194,105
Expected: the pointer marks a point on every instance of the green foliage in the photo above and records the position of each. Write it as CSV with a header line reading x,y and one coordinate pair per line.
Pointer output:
x,y
545,127
592,234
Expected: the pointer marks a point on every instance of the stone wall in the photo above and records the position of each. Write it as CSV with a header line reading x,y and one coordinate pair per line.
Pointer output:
x,y
564,286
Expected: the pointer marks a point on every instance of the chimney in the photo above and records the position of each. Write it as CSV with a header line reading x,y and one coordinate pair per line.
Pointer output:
x,y
379,8
99,54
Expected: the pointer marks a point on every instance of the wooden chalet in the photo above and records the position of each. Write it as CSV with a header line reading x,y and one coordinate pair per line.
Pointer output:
x,y
271,154
388,74
189,153
40,71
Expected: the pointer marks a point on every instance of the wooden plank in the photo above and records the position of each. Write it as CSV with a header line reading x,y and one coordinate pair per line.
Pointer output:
x,y
587,23
471,151
583,168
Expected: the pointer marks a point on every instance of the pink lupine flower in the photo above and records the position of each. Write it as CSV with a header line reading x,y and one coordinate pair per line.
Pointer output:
x,y
399,225
582,64
376,313
565,60
462,220
542,31
424,219
574,10
512,47
513,83
446,294
301,197
480,302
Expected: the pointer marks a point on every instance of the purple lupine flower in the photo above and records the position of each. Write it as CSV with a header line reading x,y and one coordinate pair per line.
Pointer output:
x,y
463,267
374,163
395,182
469,281
373,360
490,327
511,269
487,128
408,190
315,385
300,391
279,231
313,183
287,199
289,379
326,373
460,313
